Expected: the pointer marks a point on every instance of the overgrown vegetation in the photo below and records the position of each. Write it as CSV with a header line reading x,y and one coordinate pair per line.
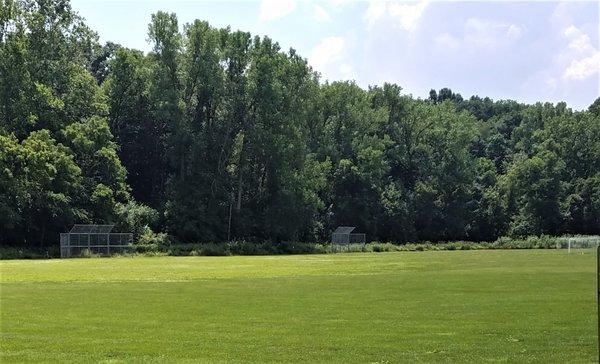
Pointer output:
x,y
217,136
162,246
251,248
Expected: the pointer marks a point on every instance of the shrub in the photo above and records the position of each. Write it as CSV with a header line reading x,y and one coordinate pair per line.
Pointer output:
x,y
160,244
212,249
27,253
319,249
86,253
150,241
246,248
136,218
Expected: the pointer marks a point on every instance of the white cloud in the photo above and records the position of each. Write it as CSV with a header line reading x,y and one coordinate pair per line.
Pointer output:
x,y
407,15
329,50
331,58
543,82
550,83
571,72
347,72
401,15
566,11
320,14
447,40
375,12
514,32
580,69
275,9
561,13
582,57
490,34
479,33
338,2
579,41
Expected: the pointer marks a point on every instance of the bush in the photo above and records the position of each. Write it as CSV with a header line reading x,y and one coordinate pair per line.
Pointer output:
x,y
160,244
150,241
135,218
28,253
245,248
212,249
378,247
531,242
86,253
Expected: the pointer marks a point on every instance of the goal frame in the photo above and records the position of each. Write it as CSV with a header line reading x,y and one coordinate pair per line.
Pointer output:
x,y
594,240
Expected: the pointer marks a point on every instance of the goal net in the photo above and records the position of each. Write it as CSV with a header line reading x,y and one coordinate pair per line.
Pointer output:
x,y
577,243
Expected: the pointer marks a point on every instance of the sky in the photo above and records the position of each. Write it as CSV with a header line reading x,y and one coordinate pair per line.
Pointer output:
x,y
525,51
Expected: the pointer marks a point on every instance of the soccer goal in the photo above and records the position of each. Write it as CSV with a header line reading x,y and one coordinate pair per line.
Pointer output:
x,y
577,243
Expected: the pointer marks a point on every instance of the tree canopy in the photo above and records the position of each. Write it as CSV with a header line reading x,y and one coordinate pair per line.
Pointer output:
x,y
217,135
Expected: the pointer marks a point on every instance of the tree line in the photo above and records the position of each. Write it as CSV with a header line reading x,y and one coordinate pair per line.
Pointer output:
x,y
217,135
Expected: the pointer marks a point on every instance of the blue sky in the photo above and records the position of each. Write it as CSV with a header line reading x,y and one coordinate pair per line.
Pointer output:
x,y
527,51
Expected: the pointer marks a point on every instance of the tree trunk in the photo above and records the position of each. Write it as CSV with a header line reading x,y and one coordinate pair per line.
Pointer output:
x,y
238,205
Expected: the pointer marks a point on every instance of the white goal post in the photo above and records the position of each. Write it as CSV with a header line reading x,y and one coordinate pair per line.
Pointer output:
x,y
583,242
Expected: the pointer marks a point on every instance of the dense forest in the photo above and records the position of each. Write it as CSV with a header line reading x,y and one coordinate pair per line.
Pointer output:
x,y
217,135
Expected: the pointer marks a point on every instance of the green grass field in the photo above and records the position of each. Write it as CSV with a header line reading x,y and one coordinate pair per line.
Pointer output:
x,y
458,306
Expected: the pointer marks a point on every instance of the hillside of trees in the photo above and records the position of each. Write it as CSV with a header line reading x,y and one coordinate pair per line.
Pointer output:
x,y
217,135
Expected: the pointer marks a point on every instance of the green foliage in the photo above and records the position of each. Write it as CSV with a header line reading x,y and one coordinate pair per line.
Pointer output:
x,y
137,134
218,136
151,244
9,252
103,175
532,190
41,191
137,219
155,240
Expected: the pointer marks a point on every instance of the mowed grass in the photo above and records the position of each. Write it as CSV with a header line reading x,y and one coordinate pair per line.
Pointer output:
x,y
457,306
